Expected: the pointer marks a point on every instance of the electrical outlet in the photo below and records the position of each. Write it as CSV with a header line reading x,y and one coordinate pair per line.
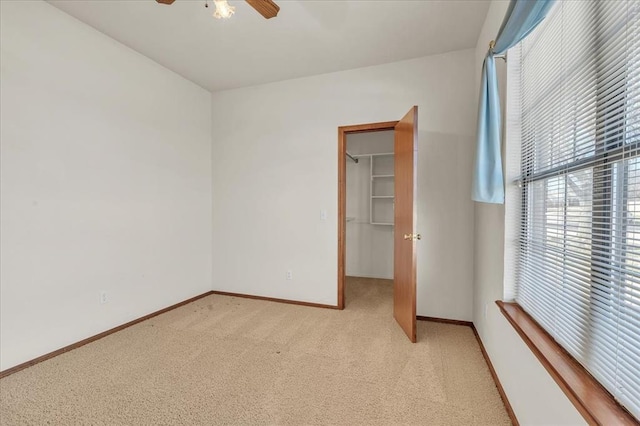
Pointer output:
x,y
323,215
289,275
103,297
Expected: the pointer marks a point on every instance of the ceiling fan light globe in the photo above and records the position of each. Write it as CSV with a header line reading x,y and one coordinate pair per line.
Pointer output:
x,y
223,9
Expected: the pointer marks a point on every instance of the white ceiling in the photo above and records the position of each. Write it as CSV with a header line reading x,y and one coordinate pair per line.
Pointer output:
x,y
306,38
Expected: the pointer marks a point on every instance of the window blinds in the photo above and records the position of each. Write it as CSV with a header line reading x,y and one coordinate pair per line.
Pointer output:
x,y
578,269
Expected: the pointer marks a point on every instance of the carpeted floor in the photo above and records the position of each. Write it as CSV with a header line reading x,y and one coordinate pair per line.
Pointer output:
x,y
228,360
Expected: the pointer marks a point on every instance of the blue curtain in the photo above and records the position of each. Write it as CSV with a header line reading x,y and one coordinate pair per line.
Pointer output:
x,y
521,18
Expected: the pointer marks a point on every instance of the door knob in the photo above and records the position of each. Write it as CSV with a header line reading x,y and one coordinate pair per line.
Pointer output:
x,y
412,237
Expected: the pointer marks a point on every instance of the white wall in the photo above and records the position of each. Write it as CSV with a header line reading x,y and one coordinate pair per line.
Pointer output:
x,y
369,248
105,183
533,394
275,169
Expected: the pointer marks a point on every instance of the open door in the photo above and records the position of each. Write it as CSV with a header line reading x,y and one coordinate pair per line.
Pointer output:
x,y
404,263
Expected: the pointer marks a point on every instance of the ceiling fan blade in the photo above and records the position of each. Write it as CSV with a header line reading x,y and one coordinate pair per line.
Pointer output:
x,y
266,8
165,1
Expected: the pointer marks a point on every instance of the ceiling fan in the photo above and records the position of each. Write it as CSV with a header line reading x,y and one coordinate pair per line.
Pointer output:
x,y
266,8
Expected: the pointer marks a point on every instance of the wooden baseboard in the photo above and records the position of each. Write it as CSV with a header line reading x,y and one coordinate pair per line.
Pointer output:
x,y
503,395
83,342
445,321
273,299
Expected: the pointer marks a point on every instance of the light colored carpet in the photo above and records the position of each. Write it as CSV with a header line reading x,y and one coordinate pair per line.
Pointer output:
x,y
228,360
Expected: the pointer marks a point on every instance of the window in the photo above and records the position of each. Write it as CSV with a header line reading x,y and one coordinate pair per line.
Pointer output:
x,y
578,268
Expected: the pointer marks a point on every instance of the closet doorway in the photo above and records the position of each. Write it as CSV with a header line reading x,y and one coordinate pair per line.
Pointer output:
x,y
382,173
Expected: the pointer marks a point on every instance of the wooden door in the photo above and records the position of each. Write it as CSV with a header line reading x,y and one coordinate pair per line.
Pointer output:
x,y
404,264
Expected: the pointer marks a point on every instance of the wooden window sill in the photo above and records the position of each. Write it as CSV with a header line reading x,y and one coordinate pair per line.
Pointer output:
x,y
592,400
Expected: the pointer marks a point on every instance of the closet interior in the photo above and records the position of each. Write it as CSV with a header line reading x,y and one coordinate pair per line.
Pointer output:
x,y
370,204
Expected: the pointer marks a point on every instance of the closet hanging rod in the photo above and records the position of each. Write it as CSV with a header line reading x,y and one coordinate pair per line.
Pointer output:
x,y
355,160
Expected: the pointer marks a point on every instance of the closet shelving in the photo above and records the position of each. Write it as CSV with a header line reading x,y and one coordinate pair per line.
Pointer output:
x,y
381,200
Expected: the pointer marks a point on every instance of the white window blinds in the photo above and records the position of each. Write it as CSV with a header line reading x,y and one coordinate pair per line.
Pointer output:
x,y
578,271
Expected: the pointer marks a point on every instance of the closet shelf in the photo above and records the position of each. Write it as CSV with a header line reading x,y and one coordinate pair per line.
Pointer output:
x,y
380,154
381,181
382,198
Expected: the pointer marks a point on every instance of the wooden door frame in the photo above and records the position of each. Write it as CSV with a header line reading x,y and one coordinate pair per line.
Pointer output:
x,y
343,131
